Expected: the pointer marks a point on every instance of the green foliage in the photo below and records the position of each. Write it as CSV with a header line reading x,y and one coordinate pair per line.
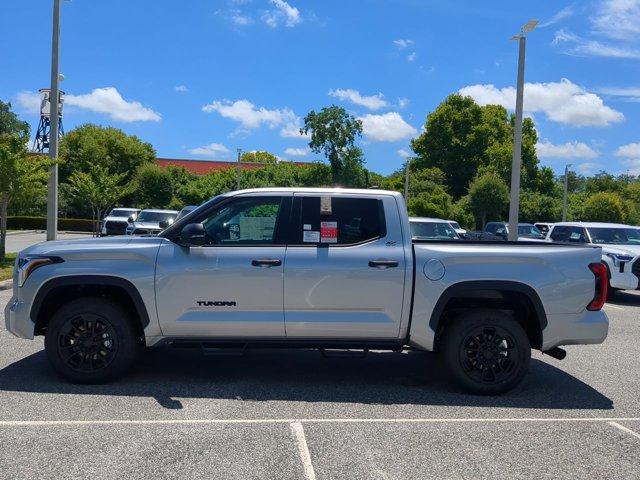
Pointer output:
x,y
431,203
537,207
488,198
110,148
154,187
40,223
333,132
259,156
605,207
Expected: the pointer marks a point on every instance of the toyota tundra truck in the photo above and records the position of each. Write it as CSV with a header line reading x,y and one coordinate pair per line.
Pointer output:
x,y
307,268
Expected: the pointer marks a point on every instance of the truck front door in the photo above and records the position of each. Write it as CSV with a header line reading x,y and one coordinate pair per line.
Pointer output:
x,y
344,268
232,286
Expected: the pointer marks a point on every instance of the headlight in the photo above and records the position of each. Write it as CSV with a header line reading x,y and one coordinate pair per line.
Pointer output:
x,y
618,258
28,263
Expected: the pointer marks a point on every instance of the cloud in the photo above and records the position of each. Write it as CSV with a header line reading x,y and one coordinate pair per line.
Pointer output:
x,y
108,101
412,56
630,150
292,130
297,152
566,12
581,47
29,102
404,153
181,88
587,168
238,18
618,19
388,127
250,117
562,102
629,94
403,102
403,42
211,150
372,102
566,150
283,13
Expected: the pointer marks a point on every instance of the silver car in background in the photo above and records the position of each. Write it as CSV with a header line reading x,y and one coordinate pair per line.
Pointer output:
x,y
151,222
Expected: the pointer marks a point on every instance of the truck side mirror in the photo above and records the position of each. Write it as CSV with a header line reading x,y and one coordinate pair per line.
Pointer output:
x,y
193,234
163,224
130,219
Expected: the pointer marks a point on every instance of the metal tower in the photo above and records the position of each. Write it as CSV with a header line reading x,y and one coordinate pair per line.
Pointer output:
x,y
41,142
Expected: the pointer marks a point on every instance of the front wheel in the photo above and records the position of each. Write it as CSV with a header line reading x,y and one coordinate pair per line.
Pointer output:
x,y
486,352
91,340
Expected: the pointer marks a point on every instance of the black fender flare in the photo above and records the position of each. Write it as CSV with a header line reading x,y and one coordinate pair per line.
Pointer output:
x,y
462,288
94,280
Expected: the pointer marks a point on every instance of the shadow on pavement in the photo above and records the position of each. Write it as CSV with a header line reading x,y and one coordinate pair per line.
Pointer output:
x,y
384,378
625,299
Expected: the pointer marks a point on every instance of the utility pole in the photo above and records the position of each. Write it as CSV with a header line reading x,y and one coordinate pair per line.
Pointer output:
x,y
54,100
406,180
566,192
238,169
514,205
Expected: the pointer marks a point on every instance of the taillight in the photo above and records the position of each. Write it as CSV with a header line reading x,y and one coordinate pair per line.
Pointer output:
x,y
602,285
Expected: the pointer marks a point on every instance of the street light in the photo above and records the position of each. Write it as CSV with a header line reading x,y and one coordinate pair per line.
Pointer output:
x,y
566,192
514,204
52,197
238,169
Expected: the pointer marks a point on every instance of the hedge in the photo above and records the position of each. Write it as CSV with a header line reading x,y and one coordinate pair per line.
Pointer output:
x,y
40,223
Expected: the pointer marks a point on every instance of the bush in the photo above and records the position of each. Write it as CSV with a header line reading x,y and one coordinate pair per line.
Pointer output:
x,y
605,207
40,223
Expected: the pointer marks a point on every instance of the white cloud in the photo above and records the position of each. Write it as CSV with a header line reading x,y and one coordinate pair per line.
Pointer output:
x,y
403,102
250,117
211,150
412,56
587,168
292,130
566,12
283,13
403,42
618,19
297,152
388,127
582,47
29,101
181,88
372,102
573,149
562,102
630,94
404,153
108,101
630,150
239,19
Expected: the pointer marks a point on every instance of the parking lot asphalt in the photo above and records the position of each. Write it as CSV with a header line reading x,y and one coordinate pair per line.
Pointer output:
x,y
17,241
295,414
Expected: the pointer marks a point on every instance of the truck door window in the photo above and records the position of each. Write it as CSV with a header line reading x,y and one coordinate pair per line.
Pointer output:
x,y
357,219
244,221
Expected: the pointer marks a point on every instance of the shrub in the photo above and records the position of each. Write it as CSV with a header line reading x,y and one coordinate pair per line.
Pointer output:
x,y
40,223
605,207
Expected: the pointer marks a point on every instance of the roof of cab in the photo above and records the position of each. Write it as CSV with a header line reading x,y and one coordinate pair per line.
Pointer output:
x,y
328,190
593,225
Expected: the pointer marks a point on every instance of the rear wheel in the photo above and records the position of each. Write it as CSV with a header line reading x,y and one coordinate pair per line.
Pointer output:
x,y
486,352
91,340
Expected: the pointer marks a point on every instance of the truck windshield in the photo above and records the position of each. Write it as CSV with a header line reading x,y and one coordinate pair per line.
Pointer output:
x,y
155,216
432,231
617,236
529,231
118,212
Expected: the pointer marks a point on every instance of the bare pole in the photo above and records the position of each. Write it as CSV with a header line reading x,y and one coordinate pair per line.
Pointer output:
x,y
406,180
238,169
566,192
54,117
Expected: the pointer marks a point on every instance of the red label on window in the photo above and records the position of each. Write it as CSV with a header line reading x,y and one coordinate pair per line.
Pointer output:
x,y
329,232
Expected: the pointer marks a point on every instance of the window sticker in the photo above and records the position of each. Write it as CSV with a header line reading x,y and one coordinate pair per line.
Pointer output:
x,y
311,237
306,226
329,232
575,235
325,205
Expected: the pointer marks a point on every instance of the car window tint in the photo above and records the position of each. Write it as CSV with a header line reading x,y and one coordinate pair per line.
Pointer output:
x,y
356,219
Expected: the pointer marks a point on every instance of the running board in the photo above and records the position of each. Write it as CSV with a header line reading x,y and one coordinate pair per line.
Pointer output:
x,y
343,352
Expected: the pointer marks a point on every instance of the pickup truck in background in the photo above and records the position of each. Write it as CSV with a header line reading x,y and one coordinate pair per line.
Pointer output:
x,y
310,268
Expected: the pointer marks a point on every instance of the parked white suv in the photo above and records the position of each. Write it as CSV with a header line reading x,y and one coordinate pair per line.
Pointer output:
x,y
151,221
620,248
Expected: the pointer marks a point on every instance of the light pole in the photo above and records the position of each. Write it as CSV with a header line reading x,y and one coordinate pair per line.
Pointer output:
x,y
54,100
514,205
406,180
238,169
566,192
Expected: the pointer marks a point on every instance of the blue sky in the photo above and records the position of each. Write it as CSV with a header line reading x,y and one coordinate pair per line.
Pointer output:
x,y
199,79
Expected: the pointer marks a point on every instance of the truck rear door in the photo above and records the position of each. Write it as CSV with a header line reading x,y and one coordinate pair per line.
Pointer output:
x,y
344,267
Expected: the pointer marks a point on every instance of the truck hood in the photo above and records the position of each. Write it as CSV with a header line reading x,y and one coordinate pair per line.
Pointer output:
x,y
155,225
620,249
115,219
89,245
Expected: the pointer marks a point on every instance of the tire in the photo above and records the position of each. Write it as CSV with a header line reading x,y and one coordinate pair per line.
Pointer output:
x,y
501,368
91,340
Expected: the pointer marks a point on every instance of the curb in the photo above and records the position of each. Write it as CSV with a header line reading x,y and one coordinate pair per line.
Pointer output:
x,y
20,232
6,285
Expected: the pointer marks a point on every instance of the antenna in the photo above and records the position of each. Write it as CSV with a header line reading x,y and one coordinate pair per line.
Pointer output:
x,y
41,142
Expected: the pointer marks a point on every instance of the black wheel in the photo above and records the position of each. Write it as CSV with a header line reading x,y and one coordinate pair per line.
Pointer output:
x,y
91,340
487,352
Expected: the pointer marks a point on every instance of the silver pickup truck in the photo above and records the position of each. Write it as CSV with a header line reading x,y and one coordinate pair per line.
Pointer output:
x,y
309,268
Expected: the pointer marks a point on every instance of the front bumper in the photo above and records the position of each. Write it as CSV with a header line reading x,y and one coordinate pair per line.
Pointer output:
x,y
575,329
16,318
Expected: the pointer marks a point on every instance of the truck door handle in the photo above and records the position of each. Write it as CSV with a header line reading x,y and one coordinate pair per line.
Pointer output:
x,y
383,263
266,262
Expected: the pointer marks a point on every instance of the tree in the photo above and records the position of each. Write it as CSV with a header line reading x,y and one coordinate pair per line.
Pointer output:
x,y
605,207
99,189
154,187
333,132
21,176
488,197
111,148
432,203
258,156
536,207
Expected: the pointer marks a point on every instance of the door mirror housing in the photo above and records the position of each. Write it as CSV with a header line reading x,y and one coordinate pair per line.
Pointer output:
x,y
192,234
164,224
130,219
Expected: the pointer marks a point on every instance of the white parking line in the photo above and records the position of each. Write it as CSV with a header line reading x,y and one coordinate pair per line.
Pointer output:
x,y
303,450
608,305
624,429
254,421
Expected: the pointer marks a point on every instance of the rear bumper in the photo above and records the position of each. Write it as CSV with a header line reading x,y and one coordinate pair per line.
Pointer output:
x,y
575,329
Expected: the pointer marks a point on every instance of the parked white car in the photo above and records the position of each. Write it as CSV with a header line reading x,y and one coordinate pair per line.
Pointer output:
x,y
151,221
620,248
425,228
456,226
115,223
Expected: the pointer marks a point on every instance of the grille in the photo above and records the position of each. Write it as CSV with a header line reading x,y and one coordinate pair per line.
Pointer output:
x,y
115,228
